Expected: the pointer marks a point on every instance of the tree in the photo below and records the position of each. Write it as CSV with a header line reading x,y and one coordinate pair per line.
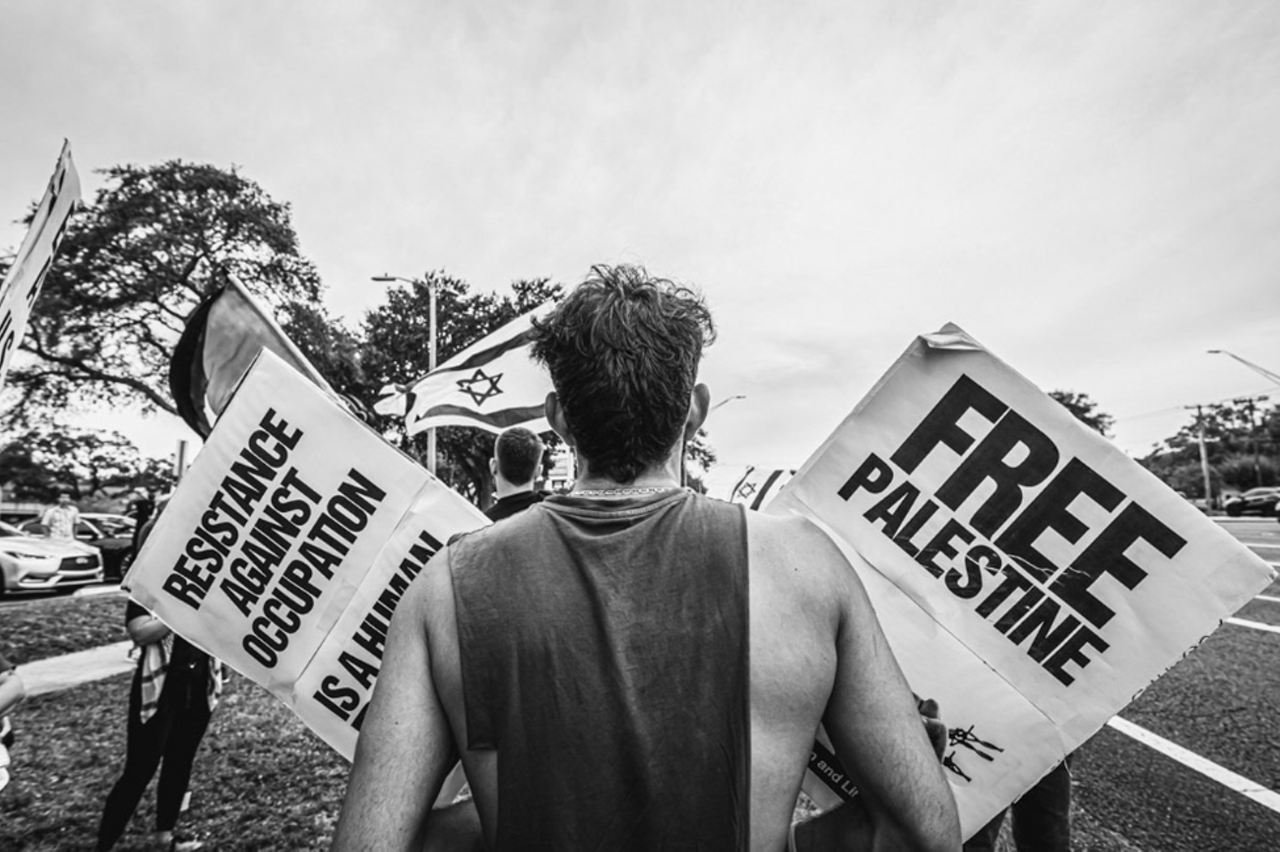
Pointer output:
x,y
333,350
1240,444
133,264
41,463
395,347
1085,410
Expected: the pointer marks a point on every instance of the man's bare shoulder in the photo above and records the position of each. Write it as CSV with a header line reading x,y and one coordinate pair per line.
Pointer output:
x,y
782,545
429,598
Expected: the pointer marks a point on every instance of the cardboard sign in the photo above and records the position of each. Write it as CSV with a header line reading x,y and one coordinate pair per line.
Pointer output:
x,y
1029,576
289,543
22,281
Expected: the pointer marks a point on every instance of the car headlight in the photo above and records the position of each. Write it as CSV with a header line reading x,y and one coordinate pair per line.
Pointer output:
x,y
24,554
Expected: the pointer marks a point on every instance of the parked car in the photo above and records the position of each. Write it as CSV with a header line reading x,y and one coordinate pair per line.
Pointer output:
x,y
35,564
111,534
1255,501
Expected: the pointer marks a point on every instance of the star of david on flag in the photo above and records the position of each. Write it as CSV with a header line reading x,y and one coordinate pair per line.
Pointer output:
x,y
493,384
480,387
759,485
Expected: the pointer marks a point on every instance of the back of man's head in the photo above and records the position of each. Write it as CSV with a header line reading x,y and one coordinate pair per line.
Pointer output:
x,y
623,351
518,453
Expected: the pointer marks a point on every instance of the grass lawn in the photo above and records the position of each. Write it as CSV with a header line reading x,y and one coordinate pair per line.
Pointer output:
x,y
46,627
261,780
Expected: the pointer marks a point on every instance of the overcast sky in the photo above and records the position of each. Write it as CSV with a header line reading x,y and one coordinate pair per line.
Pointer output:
x,y
1092,190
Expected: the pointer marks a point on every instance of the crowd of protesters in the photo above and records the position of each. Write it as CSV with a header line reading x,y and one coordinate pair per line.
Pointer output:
x,y
629,665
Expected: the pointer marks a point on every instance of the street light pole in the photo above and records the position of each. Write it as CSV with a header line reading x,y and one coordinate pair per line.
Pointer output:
x,y
432,287
726,400
1262,371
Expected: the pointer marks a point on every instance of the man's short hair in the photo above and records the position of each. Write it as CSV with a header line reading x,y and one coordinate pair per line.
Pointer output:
x,y
623,351
519,455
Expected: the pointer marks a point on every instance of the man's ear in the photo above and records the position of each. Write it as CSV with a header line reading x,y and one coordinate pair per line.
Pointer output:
x,y
699,404
493,468
555,416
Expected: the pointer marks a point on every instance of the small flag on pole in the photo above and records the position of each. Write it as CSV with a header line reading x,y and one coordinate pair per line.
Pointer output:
x,y
758,486
223,336
493,384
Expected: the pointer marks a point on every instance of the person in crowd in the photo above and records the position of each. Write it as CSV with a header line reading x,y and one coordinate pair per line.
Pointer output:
x,y
1041,817
632,666
516,463
141,509
174,691
12,691
60,519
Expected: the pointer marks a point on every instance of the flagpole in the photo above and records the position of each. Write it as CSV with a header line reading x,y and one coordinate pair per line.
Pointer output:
x,y
432,286
431,365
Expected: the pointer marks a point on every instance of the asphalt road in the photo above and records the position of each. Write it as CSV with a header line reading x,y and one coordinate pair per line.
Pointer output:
x,y
1223,703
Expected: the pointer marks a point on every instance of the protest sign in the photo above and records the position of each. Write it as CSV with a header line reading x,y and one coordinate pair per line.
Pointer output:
x,y
22,282
289,543
1029,576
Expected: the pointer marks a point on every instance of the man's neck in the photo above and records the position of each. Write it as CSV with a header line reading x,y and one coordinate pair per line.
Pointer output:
x,y
502,488
665,475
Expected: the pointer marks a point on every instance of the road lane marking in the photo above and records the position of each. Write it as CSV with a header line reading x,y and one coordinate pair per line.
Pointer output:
x,y
1236,783
1267,598
1256,625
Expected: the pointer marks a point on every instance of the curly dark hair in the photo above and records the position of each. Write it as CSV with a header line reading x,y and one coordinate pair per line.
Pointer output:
x,y
623,351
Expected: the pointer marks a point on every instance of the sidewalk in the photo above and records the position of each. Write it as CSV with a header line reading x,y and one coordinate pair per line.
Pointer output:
x,y
56,673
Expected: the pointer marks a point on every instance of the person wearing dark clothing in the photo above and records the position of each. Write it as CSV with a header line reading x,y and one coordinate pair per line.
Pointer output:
x,y
516,462
12,691
632,666
141,510
1041,817
174,690
525,667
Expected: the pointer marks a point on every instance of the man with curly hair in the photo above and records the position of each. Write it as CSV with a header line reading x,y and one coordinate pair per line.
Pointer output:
x,y
632,666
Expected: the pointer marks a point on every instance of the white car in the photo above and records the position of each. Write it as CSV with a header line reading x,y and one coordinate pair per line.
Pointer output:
x,y
35,564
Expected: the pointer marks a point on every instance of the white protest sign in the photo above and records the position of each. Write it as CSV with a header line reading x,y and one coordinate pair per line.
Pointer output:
x,y
289,543
1029,576
22,282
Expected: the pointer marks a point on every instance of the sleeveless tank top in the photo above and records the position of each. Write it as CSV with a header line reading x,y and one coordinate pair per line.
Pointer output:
x,y
604,654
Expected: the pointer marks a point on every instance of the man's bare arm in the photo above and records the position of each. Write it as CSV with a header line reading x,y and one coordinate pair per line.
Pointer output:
x,y
405,747
873,722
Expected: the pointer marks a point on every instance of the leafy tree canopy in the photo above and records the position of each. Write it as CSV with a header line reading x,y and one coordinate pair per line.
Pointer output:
x,y
41,463
1241,439
133,264
1085,410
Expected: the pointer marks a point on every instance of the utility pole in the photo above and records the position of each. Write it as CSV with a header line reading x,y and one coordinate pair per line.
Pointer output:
x,y
1249,404
1204,455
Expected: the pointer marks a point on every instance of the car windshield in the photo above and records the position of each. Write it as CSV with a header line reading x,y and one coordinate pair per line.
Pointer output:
x,y
9,530
112,526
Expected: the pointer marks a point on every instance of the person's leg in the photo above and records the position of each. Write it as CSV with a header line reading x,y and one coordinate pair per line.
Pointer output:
x,y
143,746
189,726
985,838
1042,817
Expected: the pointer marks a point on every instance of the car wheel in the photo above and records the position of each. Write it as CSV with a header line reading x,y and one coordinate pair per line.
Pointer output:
x,y
1234,511
122,567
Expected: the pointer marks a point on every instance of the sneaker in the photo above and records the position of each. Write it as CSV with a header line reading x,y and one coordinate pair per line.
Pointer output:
x,y
186,846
